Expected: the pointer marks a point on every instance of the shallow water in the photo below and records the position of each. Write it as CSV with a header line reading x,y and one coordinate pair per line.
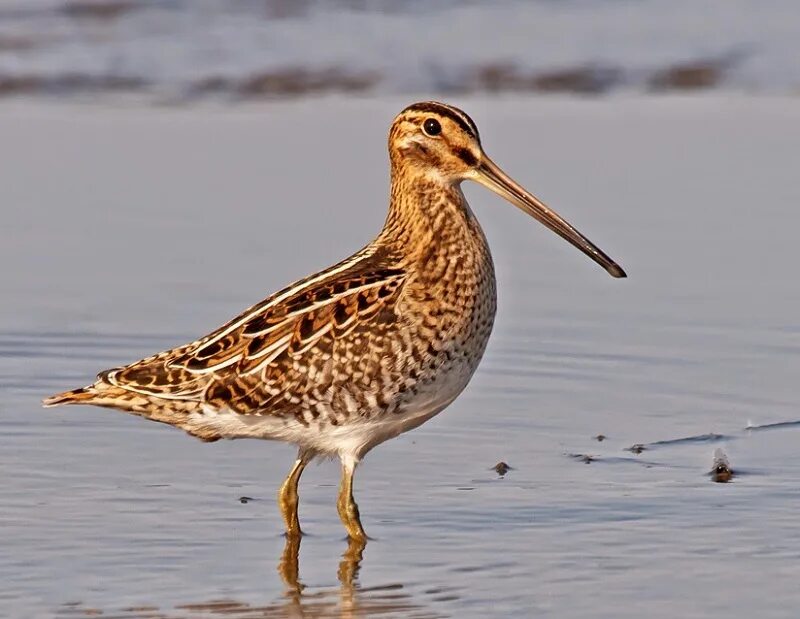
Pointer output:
x,y
129,231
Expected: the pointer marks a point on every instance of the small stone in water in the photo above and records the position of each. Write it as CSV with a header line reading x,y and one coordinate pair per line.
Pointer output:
x,y
245,499
600,438
501,468
721,471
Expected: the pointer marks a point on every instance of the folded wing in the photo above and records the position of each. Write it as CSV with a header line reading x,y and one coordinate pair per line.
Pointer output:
x,y
240,366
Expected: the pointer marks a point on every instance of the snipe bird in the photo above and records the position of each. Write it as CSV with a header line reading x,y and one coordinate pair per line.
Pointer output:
x,y
367,349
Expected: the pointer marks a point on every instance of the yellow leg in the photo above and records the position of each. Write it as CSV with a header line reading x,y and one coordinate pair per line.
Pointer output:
x,y
348,510
288,498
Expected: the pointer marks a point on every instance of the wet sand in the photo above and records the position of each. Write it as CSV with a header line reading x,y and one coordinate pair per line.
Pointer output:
x,y
127,231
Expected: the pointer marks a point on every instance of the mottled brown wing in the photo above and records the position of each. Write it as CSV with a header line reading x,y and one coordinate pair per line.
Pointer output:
x,y
236,365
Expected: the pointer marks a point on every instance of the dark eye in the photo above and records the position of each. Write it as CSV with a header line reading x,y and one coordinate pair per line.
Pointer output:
x,y
432,127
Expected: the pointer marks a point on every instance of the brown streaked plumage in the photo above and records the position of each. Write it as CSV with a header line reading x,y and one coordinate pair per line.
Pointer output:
x,y
364,350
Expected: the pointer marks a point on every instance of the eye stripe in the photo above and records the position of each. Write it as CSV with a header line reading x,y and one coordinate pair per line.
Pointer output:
x,y
466,156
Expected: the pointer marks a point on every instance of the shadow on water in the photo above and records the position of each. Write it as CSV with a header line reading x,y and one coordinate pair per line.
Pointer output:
x,y
721,470
700,439
780,425
347,601
710,438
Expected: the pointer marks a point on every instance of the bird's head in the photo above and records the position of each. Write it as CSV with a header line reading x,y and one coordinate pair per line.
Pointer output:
x,y
440,143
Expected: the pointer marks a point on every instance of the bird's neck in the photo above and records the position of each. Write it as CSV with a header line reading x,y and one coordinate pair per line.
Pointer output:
x,y
426,212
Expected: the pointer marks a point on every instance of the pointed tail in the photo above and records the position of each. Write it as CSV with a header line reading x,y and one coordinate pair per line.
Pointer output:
x,y
172,412
84,395
101,394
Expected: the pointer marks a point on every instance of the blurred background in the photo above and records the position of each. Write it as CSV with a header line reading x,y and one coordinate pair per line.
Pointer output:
x,y
234,50
165,164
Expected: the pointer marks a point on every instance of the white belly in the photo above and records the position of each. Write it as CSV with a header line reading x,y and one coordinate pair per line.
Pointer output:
x,y
353,438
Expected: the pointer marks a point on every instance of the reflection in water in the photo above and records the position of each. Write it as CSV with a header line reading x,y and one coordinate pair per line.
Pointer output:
x,y
348,605
349,601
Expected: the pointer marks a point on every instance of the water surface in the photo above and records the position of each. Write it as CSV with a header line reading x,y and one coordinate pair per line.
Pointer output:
x,y
129,231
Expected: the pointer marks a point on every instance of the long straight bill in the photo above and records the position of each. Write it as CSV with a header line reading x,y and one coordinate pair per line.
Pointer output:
x,y
491,176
